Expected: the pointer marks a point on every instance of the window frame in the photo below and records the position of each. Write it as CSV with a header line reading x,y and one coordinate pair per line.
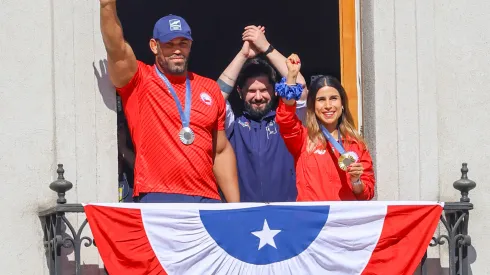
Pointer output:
x,y
350,55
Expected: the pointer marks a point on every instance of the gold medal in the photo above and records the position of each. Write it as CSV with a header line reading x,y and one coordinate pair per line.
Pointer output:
x,y
347,159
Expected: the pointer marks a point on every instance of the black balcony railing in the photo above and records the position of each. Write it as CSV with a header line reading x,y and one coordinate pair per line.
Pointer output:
x,y
455,220
59,233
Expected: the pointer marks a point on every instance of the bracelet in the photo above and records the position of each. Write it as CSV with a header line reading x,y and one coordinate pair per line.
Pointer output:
x,y
289,91
268,51
357,182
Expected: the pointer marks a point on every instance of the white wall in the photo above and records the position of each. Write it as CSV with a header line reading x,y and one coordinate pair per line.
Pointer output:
x,y
426,74
52,110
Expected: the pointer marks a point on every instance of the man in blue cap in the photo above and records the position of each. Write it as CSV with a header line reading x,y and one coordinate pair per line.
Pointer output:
x,y
176,118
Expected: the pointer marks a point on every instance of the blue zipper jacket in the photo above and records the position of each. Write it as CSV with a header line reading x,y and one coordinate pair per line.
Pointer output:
x,y
266,171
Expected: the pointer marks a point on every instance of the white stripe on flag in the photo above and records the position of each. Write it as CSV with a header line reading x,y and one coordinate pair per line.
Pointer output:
x,y
344,246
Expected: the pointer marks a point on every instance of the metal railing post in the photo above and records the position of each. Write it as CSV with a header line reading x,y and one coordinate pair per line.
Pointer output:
x,y
55,223
455,220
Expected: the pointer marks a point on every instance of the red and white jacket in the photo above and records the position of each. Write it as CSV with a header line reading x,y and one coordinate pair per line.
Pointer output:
x,y
318,176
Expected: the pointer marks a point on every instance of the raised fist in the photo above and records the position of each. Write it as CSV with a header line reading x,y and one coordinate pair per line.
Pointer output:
x,y
294,65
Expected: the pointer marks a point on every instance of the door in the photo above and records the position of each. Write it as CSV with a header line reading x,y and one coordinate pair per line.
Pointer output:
x,y
349,56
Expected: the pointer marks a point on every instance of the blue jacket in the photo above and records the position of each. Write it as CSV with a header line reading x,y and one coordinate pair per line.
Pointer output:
x,y
266,171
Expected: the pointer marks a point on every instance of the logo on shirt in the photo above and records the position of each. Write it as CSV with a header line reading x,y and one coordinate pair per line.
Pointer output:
x,y
320,152
271,129
244,124
206,99
175,25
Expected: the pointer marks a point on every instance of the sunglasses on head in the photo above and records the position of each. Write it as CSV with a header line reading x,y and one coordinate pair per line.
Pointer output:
x,y
315,77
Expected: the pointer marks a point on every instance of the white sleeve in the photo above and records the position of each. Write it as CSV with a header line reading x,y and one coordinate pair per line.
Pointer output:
x,y
229,119
301,110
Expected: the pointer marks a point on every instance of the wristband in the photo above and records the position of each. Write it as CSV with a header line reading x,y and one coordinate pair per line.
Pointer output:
x,y
269,50
357,182
289,92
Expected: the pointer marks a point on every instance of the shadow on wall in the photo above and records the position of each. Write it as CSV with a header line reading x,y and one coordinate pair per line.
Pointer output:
x,y
68,264
86,269
66,259
106,89
472,255
434,264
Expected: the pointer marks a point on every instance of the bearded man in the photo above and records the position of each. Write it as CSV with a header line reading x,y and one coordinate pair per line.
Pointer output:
x,y
266,169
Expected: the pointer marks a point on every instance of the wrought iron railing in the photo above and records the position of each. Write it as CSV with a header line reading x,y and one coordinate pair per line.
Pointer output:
x,y
59,232
455,220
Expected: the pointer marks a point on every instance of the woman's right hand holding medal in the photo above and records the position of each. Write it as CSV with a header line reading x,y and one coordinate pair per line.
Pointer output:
x,y
355,170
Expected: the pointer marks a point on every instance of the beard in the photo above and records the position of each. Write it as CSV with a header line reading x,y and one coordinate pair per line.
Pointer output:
x,y
258,114
173,68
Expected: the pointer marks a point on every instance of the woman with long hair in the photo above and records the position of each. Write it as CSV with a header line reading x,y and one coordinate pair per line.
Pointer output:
x,y
332,159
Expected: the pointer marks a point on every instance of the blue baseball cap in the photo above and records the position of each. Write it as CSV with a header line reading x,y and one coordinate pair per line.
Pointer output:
x,y
170,27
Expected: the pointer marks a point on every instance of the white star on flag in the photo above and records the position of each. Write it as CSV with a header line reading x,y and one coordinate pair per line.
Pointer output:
x,y
266,236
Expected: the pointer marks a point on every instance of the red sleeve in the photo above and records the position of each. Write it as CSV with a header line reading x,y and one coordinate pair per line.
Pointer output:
x,y
367,176
220,101
126,91
291,129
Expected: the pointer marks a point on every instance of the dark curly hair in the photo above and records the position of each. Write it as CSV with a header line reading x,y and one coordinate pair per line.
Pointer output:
x,y
256,67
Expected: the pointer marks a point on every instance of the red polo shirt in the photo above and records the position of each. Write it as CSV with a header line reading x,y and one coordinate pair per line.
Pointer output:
x,y
163,163
318,175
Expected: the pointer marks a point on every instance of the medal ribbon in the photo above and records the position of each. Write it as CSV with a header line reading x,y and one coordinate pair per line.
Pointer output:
x,y
332,141
185,116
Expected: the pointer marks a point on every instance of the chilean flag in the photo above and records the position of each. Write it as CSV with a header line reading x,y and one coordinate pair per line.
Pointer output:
x,y
252,238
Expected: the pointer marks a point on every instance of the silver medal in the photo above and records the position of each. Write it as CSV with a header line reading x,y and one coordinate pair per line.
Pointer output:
x,y
186,135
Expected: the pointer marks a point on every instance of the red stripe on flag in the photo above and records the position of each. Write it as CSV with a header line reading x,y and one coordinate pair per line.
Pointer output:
x,y
121,239
405,237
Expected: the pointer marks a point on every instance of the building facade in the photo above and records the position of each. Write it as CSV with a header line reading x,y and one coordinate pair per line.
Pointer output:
x,y
423,78
425,75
